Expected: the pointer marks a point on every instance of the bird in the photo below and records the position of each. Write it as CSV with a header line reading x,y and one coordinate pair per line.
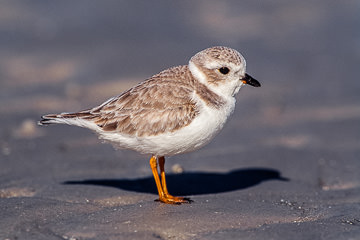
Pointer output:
x,y
176,111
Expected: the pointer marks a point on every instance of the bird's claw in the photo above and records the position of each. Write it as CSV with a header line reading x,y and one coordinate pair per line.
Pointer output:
x,y
174,200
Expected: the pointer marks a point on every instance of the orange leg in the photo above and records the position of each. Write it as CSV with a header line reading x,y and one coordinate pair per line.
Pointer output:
x,y
153,165
164,195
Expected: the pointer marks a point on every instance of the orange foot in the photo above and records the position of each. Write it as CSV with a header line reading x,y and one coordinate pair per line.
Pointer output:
x,y
164,195
173,200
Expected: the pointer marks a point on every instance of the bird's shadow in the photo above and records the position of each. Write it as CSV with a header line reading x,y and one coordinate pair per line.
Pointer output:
x,y
193,183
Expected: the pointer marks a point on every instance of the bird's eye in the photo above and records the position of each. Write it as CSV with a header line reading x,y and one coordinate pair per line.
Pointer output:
x,y
224,70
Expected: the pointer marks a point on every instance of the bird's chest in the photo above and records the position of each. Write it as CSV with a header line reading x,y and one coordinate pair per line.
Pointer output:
x,y
211,120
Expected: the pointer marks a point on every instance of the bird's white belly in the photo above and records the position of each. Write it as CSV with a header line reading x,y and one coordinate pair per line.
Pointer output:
x,y
198,133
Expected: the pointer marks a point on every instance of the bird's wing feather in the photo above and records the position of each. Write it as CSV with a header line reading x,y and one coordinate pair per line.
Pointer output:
x,y
152,107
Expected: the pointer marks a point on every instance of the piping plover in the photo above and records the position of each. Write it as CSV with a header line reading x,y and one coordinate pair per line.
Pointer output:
x,y
176,111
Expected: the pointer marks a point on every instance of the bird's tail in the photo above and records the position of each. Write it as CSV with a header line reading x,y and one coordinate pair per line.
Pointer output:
x,y
79,119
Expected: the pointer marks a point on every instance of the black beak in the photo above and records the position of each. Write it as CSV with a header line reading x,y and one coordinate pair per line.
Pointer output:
x,y
250,81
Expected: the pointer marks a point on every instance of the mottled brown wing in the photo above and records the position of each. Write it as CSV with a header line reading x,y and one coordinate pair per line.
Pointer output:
x,y
152,107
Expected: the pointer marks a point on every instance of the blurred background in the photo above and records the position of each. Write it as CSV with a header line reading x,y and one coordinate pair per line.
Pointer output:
x,y
70,55
65,55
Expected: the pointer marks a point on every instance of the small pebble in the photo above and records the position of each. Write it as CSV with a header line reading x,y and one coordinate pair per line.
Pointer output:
x,y
177,168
